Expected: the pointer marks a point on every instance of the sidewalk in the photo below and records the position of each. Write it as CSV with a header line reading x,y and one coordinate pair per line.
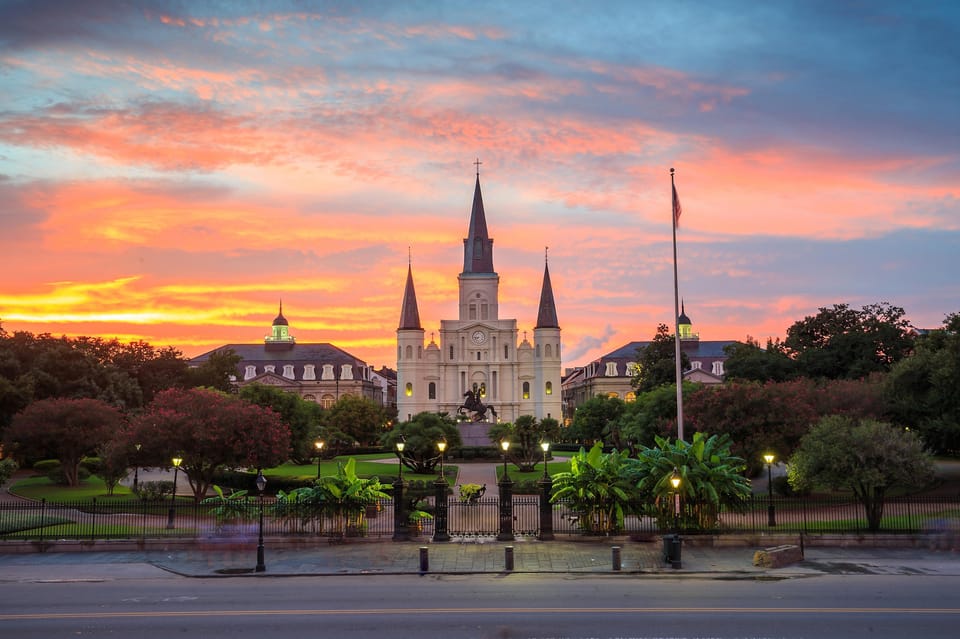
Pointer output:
x,y
638,560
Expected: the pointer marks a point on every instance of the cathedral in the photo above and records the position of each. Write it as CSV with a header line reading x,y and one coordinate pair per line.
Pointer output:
x,y
481,369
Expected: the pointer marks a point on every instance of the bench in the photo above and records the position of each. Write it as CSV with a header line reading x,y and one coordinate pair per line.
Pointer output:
x,y
778,556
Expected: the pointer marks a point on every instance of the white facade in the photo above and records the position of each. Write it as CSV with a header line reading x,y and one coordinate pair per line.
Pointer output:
x,y
479,351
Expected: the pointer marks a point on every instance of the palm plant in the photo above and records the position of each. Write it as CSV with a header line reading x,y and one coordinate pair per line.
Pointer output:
x,y
709,476
229,509
599,486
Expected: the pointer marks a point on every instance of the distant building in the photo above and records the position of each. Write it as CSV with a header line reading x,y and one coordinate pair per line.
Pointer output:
x,y
479,351
610,375
317,372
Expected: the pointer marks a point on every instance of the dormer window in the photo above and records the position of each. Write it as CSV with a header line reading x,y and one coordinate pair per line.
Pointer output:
x,y
611,369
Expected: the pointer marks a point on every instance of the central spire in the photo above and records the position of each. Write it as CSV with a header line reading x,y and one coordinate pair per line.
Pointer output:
x,y
477,247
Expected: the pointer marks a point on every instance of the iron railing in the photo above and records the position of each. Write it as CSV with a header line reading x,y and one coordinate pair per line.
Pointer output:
x,y
118,518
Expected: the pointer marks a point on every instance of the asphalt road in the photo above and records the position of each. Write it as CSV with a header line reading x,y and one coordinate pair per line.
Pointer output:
x,y
501,607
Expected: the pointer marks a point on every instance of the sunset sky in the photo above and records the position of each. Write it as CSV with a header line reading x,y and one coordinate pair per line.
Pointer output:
x,y
170,170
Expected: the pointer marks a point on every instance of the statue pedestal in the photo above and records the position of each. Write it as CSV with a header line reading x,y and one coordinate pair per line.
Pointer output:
x,y
475,433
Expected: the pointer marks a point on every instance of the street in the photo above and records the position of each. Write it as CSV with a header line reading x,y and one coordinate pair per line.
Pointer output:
x,y
485,606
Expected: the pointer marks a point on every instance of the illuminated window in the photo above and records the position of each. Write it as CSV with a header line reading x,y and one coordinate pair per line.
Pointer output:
x,y
549,388
408,391
613,395
631,397
526,390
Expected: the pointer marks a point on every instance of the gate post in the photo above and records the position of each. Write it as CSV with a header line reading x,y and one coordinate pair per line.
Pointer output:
x,y
546,509
506,509
440,511
401,529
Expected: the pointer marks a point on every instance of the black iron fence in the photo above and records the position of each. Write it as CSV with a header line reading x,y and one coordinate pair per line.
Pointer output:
x,y
109,518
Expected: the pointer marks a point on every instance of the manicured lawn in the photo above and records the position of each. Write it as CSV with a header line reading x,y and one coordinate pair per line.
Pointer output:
x,y
560,465
43,488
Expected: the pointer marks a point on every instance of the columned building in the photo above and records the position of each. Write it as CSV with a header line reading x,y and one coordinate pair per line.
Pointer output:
x,y
479,351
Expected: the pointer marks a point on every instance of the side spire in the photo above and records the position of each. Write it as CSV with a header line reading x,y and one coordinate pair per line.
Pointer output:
x,y
547,315
478,247
409,312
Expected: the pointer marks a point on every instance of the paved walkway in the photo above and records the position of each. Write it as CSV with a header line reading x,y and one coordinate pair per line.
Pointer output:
x,y
385,557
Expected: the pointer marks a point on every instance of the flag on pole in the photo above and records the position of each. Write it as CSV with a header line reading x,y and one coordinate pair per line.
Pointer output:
x,y
676,208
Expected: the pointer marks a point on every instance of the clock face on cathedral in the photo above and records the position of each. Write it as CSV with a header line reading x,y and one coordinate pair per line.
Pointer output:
x,y
479,337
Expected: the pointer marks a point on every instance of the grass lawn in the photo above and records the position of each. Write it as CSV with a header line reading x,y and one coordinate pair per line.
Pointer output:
x,y
43,488
365,467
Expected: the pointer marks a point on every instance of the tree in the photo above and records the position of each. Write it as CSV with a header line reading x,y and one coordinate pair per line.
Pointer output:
x,y
359,417
746,361
867,456
598,486
921,390
420,436
211,431
597,420
525,436
652,413
840,342
302,416
657,362
710,476
216,372
67,429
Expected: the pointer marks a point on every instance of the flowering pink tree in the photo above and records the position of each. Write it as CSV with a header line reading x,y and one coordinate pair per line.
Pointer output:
x,y
210,431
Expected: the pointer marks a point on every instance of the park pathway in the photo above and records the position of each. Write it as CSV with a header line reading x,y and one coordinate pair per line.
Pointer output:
x,y
479,473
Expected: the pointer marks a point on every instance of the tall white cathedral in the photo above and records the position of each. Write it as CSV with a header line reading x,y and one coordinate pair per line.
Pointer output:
x,y
479,351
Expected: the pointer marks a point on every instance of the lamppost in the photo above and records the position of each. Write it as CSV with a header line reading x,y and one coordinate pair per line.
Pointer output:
x,y
440,498
673,542
505,446
173,497
442,446
771,512
319,446
401,530
506,499
136,467
546,487
261,484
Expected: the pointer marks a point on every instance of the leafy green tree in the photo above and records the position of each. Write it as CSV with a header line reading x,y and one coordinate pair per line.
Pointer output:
x,y
652,413
597,420
867,456
746,361
216,371
841,342
420,436
7,468
302,416
921,390
657,362
599,486
66,429
211,431
113,460
359,417
710,476
525,436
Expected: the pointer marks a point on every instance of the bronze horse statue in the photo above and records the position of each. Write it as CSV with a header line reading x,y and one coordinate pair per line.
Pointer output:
x,y
473,405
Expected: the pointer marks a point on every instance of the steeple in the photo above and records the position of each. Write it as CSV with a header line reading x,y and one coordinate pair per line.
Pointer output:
x,y
409,312
477,247
547,316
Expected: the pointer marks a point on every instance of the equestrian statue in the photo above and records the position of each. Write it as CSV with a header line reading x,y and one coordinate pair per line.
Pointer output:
x,y
475,409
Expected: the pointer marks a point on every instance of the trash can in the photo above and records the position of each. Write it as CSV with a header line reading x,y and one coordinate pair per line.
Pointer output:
x,y
672,550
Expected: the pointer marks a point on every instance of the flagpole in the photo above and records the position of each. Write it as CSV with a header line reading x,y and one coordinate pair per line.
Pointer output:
x,y
674,207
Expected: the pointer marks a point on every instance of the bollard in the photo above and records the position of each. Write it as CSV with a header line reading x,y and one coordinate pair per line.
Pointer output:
x,y
615,551
508,558
424,559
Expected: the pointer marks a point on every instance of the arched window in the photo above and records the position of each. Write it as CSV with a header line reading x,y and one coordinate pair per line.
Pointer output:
x,y
526,390
250,372
432,390
549,388
408,391
409,352
548,350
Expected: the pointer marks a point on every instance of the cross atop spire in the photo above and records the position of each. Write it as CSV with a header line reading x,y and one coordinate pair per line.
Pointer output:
x,y
477,164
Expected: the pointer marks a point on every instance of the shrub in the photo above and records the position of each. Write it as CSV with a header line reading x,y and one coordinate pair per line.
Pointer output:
x,y
7,468
154,490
